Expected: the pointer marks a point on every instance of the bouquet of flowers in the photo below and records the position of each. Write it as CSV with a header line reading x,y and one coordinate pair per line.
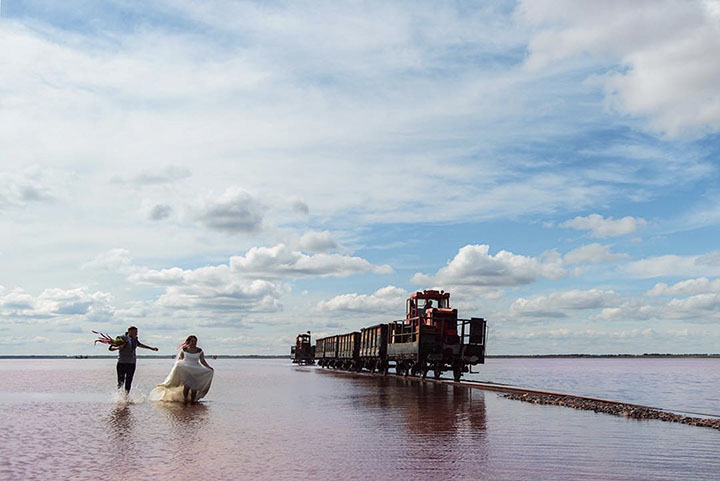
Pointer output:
x,y
105,339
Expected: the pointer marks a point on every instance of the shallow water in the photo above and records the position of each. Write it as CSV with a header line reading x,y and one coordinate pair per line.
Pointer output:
x,y
674,384
267,419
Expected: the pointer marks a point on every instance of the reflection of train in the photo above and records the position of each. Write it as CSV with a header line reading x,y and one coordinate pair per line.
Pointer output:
x,y
430,338
302,352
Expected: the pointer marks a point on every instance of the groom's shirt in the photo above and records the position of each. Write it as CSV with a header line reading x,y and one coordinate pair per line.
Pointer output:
x,y
126,354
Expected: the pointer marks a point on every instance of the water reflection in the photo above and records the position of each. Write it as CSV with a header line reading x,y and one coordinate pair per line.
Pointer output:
x,y
430,408
267,421
121,427
186,416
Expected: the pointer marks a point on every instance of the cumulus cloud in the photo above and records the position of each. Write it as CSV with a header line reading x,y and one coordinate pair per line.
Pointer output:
x,y
592,254
700,309
697,305
701,285
250,283
317,242
388,299
556,304
235,211
473,265
602,227
237,296
665,51
674,265
210,290
115,260
55,303
281,261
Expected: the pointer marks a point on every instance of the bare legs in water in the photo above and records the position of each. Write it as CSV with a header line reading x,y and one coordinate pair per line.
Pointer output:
x,y
189,394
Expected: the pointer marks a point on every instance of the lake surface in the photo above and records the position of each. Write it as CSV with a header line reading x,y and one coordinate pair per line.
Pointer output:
x,y
267,419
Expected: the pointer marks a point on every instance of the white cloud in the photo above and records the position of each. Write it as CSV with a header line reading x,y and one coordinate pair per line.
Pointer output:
x,y
168,174
389,299
473,265
668,72
674,265
592,254
247,284
556,304
317,242
280,262
15,300
602,227
232,212
16,305
567,333
700,285
697,306
699,309
252,296
115,260
214,293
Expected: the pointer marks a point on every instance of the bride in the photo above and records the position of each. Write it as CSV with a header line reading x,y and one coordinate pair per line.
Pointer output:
x,y
190,378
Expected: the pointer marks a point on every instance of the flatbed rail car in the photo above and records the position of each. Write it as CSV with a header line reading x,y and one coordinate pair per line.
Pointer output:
x,y
430,338
303,352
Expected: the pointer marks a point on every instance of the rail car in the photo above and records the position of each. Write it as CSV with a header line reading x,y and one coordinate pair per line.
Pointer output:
x,y
326,352
303,352
430,338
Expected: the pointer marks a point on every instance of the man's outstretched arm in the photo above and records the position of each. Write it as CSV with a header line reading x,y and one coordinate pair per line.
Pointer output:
x,y
140,344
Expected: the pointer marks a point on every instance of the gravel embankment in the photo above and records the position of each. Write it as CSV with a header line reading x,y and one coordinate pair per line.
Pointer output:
x,y
617,409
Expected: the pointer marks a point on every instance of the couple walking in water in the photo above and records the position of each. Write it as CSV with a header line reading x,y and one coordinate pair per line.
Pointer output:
x,y
189,379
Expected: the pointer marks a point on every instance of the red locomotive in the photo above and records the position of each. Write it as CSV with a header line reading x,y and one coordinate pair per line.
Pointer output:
x,y
430,338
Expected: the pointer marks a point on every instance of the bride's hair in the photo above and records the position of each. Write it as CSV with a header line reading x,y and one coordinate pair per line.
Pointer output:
x,y
187,342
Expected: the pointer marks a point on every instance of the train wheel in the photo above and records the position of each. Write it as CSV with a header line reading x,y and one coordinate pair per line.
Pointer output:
x,y
437,370
424,370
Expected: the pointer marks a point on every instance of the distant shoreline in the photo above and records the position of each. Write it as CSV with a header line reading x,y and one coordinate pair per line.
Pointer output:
x,y
283,356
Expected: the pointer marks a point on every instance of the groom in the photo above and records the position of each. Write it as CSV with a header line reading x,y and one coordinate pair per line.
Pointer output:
x,y
127,358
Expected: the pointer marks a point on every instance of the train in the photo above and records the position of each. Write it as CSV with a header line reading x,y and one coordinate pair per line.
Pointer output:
x,y
431,338
303,352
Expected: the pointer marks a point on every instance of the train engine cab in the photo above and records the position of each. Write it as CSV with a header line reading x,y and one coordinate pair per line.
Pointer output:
x,y
303,352
433,338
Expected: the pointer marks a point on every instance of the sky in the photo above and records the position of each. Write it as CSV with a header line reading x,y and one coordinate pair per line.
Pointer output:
x,y
245,171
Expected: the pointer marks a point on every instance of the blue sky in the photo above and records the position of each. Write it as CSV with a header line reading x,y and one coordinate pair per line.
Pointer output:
x,y
245,171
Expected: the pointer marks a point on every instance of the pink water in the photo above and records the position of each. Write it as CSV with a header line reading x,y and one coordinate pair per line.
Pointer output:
x,y
266,419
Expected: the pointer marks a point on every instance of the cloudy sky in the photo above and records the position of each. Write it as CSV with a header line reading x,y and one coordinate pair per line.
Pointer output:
x,y
245,171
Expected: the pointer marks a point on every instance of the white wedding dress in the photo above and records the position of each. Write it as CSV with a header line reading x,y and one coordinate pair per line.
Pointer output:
x,y
186,372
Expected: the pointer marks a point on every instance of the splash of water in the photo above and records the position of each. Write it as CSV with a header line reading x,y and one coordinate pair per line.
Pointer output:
x,y
120,397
